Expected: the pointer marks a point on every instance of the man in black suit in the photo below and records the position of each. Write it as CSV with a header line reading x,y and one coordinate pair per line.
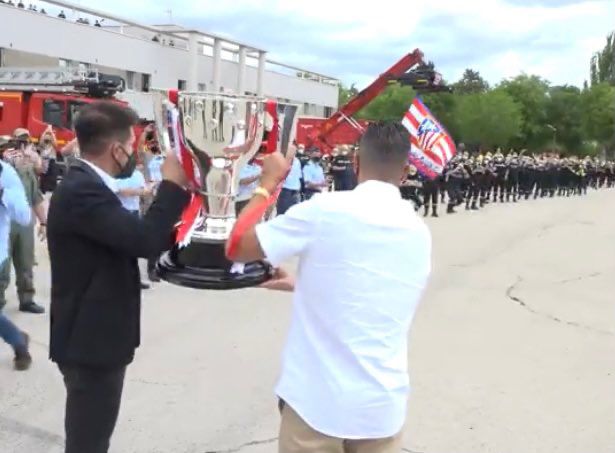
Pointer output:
x,y
94,244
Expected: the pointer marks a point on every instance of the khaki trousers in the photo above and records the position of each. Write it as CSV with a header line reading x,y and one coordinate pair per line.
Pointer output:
x,y
296,436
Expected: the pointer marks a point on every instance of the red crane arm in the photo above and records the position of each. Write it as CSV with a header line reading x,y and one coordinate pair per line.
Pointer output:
x,y
318,137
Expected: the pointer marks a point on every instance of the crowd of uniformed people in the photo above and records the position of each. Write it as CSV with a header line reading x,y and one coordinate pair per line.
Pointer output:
x,y
469,180
473,181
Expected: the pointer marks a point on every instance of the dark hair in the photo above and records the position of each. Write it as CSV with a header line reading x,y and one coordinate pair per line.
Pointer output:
x,y
385,144
101,123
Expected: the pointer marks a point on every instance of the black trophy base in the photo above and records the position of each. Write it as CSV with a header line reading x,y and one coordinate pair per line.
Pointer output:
x,y
202,265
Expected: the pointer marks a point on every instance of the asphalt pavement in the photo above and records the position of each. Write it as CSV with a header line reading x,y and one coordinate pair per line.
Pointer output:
x,y
512,349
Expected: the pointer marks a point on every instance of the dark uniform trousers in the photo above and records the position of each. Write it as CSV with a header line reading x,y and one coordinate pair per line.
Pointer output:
x,y
92,406
286,200
21,254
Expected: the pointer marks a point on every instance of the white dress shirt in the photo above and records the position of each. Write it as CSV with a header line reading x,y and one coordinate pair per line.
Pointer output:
x,y
364,259
106,177
136,181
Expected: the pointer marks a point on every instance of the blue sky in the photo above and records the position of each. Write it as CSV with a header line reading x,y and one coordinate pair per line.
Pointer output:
x,y
355,40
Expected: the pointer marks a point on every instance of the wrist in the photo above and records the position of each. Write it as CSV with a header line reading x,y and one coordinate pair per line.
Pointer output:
x,y
269,184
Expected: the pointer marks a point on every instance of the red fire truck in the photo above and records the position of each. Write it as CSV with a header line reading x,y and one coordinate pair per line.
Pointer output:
x,y
35,98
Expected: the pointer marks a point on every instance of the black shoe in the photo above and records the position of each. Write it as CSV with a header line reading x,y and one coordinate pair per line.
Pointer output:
x,y
144,285
23,359
153,276
450,210
474,207
434,213
31,307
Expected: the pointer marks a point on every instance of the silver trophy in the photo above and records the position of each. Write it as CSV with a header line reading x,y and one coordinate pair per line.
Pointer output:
x,y
221,133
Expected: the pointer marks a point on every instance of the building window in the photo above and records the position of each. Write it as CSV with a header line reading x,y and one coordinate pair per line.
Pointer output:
x,y
145,82
130,80
181,85
328,112
63,63
306,108
54,112
202,87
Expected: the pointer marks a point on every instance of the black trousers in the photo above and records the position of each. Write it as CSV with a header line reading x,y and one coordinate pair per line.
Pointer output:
x,y
287,199
345,181
239,205
431,190
92,405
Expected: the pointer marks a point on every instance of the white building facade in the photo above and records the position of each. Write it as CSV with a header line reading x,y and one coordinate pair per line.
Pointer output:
x,y
159,57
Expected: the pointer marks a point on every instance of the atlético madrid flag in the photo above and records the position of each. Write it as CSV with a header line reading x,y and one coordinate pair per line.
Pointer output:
x,y
431,147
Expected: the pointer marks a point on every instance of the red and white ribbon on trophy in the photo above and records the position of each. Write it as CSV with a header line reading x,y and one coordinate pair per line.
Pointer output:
x,y
194,214
271,109
254,214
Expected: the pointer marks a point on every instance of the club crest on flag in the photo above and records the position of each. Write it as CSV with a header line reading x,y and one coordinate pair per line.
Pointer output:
x,y
431,147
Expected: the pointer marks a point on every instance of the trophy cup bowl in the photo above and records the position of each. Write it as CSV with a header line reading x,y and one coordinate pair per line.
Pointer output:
x,y
222,133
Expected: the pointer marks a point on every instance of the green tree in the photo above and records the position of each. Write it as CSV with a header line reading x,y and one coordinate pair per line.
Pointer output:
x,y
565,115
489,120
599,114
471,82
602,66
531,92
442,105
390,105
346,94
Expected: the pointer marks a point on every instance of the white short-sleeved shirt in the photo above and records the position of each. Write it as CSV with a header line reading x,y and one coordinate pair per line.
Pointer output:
x,y
364,260
136,181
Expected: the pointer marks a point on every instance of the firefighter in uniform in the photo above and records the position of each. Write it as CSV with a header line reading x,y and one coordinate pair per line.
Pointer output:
x,y
411,186
501,175
21,238
342,169
431,194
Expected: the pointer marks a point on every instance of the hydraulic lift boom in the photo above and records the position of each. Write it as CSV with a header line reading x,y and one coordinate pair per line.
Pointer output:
x,y
424,79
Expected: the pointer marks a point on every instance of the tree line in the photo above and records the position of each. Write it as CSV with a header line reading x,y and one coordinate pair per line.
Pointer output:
x,y
524,112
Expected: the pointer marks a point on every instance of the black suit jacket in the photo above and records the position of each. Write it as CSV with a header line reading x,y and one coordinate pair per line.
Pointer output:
x,y
93,245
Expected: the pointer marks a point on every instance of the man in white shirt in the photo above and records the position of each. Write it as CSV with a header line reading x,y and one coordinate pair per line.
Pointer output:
x,y
364,259
153,166
129,191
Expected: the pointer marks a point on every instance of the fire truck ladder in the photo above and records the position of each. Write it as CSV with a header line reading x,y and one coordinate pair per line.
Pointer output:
x,y
62,80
